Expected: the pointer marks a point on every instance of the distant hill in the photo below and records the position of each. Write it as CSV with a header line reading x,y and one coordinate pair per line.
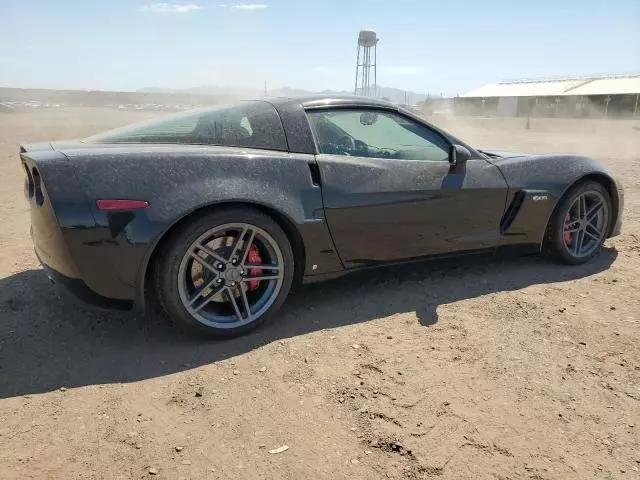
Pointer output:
x,y
11,98
394,95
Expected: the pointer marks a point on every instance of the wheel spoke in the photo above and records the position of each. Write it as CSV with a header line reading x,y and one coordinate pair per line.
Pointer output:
x,y
594,210
206,300
574,211
571,230
247,246
594,228
245,303
274,276
239,242
595,237
208,251
262,267
577,241
203,262
235,305
196,295
583,207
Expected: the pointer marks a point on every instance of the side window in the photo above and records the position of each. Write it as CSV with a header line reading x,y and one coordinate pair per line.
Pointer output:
x,y
251,124
377,134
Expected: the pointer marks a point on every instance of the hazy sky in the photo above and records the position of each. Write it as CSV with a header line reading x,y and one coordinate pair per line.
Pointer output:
x,y
426,46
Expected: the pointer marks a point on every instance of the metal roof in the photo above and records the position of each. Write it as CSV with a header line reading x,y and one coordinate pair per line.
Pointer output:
x,y
609,86
552,88
534,89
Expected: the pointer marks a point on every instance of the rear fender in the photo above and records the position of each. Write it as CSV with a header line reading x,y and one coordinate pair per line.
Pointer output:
x,y
178,184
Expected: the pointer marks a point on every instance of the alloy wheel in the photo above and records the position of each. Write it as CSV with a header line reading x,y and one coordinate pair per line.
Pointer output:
x,y
585,224
230,275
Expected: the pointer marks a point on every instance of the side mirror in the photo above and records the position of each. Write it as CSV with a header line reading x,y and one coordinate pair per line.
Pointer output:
x,y
458,155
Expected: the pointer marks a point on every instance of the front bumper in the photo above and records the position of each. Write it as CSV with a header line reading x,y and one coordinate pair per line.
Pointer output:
x,y
617,227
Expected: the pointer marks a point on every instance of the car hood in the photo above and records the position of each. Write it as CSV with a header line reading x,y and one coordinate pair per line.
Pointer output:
x,y
504,154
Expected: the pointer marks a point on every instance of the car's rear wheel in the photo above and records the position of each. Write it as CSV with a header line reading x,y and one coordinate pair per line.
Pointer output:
x,y
225,272
580,224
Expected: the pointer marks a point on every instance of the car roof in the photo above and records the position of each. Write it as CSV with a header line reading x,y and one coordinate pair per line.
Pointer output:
x,y
325,100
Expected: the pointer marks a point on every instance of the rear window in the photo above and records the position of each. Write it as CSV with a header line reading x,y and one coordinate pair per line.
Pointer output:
x,y
251,124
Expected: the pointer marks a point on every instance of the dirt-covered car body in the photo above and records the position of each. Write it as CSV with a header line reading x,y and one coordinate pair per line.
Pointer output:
x,y
343,206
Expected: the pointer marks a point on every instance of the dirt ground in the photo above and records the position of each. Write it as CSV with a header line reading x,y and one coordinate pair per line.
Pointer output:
x,y
510,369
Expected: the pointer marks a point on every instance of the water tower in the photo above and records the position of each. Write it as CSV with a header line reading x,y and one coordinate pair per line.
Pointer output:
x,y
366,74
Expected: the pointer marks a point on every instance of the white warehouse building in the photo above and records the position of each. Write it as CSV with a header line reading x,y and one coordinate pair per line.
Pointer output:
x,y
594,96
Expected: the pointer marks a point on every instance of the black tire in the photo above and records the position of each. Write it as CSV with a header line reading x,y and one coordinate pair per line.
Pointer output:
x,y
168,267
555,246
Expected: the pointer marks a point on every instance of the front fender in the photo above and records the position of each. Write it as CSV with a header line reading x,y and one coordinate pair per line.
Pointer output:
x,y
536,185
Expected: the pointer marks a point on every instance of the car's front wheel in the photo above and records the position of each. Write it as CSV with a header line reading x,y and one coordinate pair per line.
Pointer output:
x,y
225,272
580,224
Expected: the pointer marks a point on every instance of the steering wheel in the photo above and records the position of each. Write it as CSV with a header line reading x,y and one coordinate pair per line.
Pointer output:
x,y
361,148
347,143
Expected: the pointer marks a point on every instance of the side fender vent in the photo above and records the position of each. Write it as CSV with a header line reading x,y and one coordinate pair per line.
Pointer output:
x,y
37,183
512,211
315,174
29,185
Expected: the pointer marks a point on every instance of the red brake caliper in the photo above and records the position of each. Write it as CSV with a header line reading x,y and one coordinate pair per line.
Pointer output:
x,y
254,258
567,235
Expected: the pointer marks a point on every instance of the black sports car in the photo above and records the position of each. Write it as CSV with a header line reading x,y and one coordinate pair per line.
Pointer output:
x,y
219,211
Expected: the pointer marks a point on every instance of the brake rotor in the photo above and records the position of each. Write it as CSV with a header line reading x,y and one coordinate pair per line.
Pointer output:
x,y
200,276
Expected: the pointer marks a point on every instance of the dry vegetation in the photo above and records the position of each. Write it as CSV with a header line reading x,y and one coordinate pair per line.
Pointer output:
x,y
498,370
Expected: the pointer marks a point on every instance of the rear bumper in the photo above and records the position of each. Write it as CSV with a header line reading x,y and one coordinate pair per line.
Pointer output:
x,y
77,290
92,262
